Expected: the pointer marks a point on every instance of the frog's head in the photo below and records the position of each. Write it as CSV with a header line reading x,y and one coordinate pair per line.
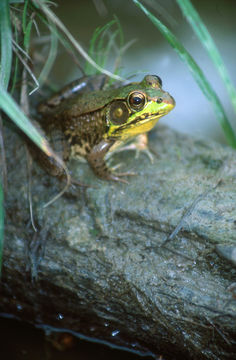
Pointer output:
x,y
137,108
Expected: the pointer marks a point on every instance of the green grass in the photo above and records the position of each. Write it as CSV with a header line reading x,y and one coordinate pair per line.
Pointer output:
x,y
207,41
105,42
43,76
97,49
12,109
196,71
1,226
5,71
6,46
38,4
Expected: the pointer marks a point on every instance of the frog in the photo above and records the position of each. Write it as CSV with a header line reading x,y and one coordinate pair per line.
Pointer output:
x,y
88,118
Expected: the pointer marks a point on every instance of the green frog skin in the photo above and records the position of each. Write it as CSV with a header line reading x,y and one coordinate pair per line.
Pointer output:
x,y
84,119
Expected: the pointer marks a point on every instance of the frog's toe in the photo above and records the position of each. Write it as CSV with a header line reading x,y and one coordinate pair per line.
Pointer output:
x,y
118,179
113,168
138,148
119,176
128,173
146,152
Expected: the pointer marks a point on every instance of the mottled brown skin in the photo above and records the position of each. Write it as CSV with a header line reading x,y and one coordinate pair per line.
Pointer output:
x,y
84,135
76,135
76,121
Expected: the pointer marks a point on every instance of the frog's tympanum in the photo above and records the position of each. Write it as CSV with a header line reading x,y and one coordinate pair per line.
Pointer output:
x,y
85,120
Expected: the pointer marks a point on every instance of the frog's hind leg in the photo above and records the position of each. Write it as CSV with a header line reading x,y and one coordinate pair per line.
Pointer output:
x,y
51,165
96,161
48,163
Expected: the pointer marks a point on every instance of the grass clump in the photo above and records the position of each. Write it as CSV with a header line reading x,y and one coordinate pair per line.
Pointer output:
x,y
196,71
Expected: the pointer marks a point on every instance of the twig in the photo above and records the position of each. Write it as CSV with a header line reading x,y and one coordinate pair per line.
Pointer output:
x,y
28,70
187,214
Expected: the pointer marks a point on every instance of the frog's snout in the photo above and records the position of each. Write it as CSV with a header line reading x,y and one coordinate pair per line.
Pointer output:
x,y
168,99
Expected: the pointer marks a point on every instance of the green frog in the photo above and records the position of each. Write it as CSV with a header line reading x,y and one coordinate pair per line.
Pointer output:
x,y
88,119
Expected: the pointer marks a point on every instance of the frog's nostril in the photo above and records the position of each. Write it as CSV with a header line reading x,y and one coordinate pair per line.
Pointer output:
x,y
159,100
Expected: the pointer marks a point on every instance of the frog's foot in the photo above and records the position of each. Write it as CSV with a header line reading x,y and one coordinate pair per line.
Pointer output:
x,y
96,161
140,144
113,168
118,176
112,171
140,149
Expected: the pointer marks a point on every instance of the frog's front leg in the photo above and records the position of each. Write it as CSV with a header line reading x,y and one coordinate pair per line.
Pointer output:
x,y
96,161
139,144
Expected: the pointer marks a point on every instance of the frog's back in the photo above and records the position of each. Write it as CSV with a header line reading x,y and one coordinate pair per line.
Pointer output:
x,y
86,102
77,87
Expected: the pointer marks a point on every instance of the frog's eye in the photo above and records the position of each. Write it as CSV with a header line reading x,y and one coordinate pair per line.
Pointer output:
x,y
136,100
118,112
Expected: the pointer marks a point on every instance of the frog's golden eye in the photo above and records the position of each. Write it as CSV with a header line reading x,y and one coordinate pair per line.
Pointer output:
x,y
118,112
136,100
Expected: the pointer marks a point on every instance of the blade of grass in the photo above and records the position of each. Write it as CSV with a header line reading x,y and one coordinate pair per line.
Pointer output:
x,y
3,175
65,42
24,62
53,44
27,35
11,108
116,41
120,31
6,46
3,187
50,15
106,47
15,65
197,74
93,52
1,226
102,50
121,47
24,16
204,36
51,57
5,72
104,44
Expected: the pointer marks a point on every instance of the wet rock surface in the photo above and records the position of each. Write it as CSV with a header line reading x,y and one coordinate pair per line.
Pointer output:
x,y
103,261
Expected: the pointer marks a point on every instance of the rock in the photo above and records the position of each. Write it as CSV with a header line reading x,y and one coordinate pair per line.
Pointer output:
x,y
135,265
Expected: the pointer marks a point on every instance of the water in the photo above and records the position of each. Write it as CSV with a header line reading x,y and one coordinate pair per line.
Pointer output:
x,y
21,341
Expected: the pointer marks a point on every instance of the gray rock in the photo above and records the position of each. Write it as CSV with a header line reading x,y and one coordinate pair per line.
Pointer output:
x,y
135,265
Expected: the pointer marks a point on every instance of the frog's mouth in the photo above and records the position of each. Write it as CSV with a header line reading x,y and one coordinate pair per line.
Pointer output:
x,y
144,118
140,122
